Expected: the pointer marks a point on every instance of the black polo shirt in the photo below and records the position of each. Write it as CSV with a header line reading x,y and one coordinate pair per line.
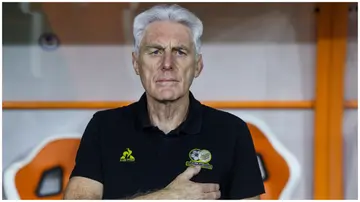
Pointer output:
x,y
122,150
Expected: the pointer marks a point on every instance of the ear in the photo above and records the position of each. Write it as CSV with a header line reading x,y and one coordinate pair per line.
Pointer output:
x,y
198,66
135,63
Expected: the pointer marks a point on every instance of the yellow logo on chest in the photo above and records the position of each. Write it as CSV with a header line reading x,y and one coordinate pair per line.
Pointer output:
x,y
127,156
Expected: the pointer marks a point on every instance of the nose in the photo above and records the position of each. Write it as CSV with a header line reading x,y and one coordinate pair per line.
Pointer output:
x,y
168,61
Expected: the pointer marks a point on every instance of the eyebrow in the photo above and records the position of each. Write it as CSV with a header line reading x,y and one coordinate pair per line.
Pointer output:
x,y
157,46
154,46
182,47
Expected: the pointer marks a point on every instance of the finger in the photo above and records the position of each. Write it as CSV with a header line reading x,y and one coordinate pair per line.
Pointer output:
x,y
190,172
209,187
212,195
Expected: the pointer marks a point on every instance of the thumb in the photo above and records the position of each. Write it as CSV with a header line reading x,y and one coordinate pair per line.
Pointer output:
x,y
190,172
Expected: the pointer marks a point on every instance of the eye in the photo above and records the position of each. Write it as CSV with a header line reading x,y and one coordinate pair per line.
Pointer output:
x,y
180,52
156,52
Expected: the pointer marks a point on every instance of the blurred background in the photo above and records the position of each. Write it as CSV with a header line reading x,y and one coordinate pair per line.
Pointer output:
x,y
289,69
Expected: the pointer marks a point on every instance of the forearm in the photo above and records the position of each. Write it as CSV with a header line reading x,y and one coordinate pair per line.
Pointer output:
x,y
253,198
83,188
81,196
155,195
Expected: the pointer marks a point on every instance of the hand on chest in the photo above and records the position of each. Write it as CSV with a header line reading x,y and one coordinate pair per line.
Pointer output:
x,y
153,164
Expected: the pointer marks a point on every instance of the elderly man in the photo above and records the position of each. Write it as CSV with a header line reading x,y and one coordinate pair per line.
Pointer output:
x,y
167,145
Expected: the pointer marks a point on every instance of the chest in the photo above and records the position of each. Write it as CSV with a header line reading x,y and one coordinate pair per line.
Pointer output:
x,y
145,163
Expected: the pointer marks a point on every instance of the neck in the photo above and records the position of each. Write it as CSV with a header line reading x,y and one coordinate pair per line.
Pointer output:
x,y
168,115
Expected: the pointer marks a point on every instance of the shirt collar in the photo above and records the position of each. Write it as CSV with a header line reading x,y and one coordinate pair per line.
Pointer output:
x,y
191,125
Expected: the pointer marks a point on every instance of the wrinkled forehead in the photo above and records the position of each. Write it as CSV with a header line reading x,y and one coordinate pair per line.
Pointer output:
x,y
168,33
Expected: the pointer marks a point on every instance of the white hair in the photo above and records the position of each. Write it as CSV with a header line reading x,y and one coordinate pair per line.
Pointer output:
x,y
173,13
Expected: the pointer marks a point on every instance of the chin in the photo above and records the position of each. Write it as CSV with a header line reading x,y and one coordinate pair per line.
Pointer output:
x,y
167,95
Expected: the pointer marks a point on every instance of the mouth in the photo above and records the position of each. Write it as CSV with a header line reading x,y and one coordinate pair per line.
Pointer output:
x,y
166,81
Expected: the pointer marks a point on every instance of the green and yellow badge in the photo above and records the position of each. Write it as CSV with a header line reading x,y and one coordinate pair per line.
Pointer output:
x,y
200,157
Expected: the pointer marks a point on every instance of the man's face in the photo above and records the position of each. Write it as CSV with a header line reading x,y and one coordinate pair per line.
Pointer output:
x,y
167,62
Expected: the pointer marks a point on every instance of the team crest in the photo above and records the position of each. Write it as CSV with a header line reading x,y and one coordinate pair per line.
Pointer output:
x,y
200,157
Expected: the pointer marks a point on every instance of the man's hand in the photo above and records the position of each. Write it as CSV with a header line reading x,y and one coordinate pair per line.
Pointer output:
x,y
181,188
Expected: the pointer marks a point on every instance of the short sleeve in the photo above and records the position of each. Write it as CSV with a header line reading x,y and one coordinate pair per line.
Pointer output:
x,y
88,161
246,179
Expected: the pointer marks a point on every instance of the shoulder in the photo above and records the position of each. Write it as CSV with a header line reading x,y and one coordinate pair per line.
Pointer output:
x,y
115,115
222,118
105,123
233,126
